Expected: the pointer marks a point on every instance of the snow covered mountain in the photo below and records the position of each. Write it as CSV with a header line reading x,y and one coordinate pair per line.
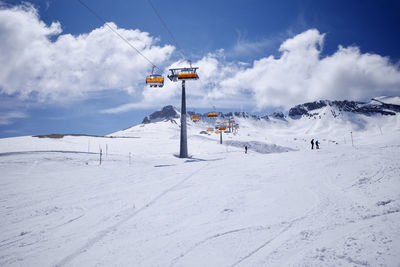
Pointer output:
x,y
331,119
330,122
337,107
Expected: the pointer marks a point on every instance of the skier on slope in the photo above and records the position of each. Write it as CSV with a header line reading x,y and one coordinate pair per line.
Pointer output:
x,y
312,143
317,144
245,149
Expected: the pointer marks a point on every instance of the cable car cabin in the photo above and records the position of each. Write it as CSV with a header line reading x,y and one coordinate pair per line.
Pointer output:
x,y
212,115
183,74
229,126
187,76
155,80
227,131
210,129
195,118
222,128
217,132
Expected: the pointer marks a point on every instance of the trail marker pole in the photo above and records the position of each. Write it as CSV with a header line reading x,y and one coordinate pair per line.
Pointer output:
x,y
351,134
100,155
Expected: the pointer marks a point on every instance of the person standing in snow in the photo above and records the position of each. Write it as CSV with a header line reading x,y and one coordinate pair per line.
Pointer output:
x,y
312,143
245,149
317,144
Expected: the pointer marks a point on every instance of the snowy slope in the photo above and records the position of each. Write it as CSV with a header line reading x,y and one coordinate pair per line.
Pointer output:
x,y
389,99
279,205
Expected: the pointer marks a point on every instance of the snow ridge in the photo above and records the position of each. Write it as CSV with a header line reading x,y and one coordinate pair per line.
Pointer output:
x,y
311,108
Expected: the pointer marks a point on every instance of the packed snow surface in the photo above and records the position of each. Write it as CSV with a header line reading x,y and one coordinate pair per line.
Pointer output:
x,y
281,204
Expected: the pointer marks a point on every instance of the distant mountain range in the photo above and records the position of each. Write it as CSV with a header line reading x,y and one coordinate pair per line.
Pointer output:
x,y
386,106
372,108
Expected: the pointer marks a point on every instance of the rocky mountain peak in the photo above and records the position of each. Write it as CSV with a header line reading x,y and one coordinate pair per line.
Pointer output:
x,y
278,115
166,113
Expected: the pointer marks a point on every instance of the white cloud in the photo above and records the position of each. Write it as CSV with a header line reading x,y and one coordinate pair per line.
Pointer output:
x,y
300,74
39,62
126,107
8,117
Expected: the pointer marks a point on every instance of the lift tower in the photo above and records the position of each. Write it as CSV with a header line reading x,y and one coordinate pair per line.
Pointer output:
x,y
183,74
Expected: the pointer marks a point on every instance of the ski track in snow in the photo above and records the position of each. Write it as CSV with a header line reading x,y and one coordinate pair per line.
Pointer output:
x,y
175,260
311,214
234,231
265,243
113,228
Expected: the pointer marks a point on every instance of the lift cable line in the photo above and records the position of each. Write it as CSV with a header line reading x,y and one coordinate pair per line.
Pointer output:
x,y
115,32
180,74
169,32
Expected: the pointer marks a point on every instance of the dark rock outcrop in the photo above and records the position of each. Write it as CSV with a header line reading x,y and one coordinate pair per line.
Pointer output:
x,y
278,115
245,115
166,113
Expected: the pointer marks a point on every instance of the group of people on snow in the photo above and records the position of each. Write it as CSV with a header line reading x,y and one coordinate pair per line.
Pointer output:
x,y
316,144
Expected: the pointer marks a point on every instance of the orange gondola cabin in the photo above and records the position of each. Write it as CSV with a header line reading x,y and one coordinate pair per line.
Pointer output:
x,y
183,74
187,76
195,118
155,80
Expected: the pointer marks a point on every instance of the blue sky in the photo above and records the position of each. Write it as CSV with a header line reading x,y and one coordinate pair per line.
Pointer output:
x,y
67,73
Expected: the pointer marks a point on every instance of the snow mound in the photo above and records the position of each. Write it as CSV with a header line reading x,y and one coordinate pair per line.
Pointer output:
x,y
259,147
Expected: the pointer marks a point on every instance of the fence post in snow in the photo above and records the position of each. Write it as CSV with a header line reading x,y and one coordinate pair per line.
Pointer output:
x,y
100,155
351,134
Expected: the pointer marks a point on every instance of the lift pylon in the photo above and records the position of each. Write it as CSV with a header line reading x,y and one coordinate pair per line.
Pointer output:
x,y
183,74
